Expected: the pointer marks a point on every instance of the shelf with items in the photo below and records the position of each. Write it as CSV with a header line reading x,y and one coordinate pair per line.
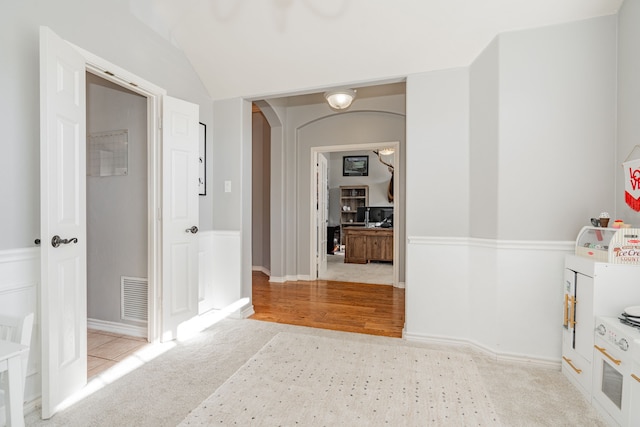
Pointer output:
x,y
352,198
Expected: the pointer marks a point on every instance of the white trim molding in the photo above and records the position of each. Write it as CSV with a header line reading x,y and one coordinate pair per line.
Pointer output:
x,y
261,269
117,328
290,278
495,355
545,245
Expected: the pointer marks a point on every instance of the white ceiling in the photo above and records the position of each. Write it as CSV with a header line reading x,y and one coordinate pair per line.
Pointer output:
x,y
268,48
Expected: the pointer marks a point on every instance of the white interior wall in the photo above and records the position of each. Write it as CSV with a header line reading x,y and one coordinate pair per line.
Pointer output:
x,y
556,93
437,208
116,205
484,78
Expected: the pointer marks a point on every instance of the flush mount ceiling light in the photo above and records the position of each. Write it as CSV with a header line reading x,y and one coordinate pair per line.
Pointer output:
x,y
386,151
340,99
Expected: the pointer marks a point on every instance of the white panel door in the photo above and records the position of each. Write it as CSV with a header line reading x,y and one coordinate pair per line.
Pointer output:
x,y
322,212
63,285
180,130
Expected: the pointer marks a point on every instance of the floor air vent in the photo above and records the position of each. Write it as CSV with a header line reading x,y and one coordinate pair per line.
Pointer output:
x,y
134,298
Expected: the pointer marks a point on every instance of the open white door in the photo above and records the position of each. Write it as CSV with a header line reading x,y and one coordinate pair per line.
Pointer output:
x,y
63,286
322,185
180,132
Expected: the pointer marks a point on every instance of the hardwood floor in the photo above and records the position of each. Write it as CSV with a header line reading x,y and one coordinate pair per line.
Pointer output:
x,y
342,306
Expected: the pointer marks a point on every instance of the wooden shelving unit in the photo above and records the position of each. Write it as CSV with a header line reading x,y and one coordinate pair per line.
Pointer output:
x,y
351,198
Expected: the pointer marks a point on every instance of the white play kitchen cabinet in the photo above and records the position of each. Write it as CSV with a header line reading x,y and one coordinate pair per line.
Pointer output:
x,y
600,280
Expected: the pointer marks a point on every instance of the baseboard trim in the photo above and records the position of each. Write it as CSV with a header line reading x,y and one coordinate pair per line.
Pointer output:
x,y
261,269
498,356
242,313
283,279
117,328
247,311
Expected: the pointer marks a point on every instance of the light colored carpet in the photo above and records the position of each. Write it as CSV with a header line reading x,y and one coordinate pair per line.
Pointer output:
x,y
164,390
306,380
380,273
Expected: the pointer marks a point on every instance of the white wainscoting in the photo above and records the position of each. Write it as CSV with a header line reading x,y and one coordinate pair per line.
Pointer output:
x,y
226,274
503,297
19,281
206,296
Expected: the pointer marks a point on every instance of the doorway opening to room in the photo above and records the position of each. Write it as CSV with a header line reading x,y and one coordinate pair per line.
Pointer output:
x,y
338,305
356,216
117,223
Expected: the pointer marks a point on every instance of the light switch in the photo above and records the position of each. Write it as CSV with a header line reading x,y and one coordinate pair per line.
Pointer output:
x,y
227,186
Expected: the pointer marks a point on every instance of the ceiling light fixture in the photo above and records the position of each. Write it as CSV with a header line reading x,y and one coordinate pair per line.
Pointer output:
x,y
386,151
340,99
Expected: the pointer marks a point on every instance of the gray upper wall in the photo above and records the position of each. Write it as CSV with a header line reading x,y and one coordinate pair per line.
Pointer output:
x,y
557,130
628,101
542,133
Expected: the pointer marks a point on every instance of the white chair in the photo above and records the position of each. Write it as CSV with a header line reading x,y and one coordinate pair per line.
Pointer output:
x,y
18,330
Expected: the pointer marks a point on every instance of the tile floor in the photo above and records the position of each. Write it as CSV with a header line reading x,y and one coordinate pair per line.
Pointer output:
x,y
106,349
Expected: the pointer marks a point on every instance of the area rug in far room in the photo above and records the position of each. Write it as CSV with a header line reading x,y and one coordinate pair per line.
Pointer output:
x,y
298,379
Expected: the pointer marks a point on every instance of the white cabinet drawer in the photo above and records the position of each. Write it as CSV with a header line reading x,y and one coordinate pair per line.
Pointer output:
x,y
578,370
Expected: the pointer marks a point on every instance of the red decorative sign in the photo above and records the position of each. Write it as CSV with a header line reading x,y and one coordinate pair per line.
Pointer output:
x,y
632,184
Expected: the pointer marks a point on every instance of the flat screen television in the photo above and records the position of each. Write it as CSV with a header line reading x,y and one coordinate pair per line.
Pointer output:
x,y
376,214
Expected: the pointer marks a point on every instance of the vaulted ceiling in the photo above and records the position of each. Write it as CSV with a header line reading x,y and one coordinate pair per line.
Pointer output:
x,y
263,48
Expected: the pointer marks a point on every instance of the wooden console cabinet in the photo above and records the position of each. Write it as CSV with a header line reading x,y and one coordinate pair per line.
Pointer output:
x,y
368,244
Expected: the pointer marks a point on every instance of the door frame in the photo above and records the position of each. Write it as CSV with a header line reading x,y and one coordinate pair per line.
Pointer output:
x,y
322,212
313,265
108,71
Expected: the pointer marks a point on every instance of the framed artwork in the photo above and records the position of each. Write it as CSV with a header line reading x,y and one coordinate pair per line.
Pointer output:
x,y
202,161
355,166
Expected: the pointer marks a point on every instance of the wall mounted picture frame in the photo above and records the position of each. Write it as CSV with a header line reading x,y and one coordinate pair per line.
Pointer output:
x,y
355,166
202,161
